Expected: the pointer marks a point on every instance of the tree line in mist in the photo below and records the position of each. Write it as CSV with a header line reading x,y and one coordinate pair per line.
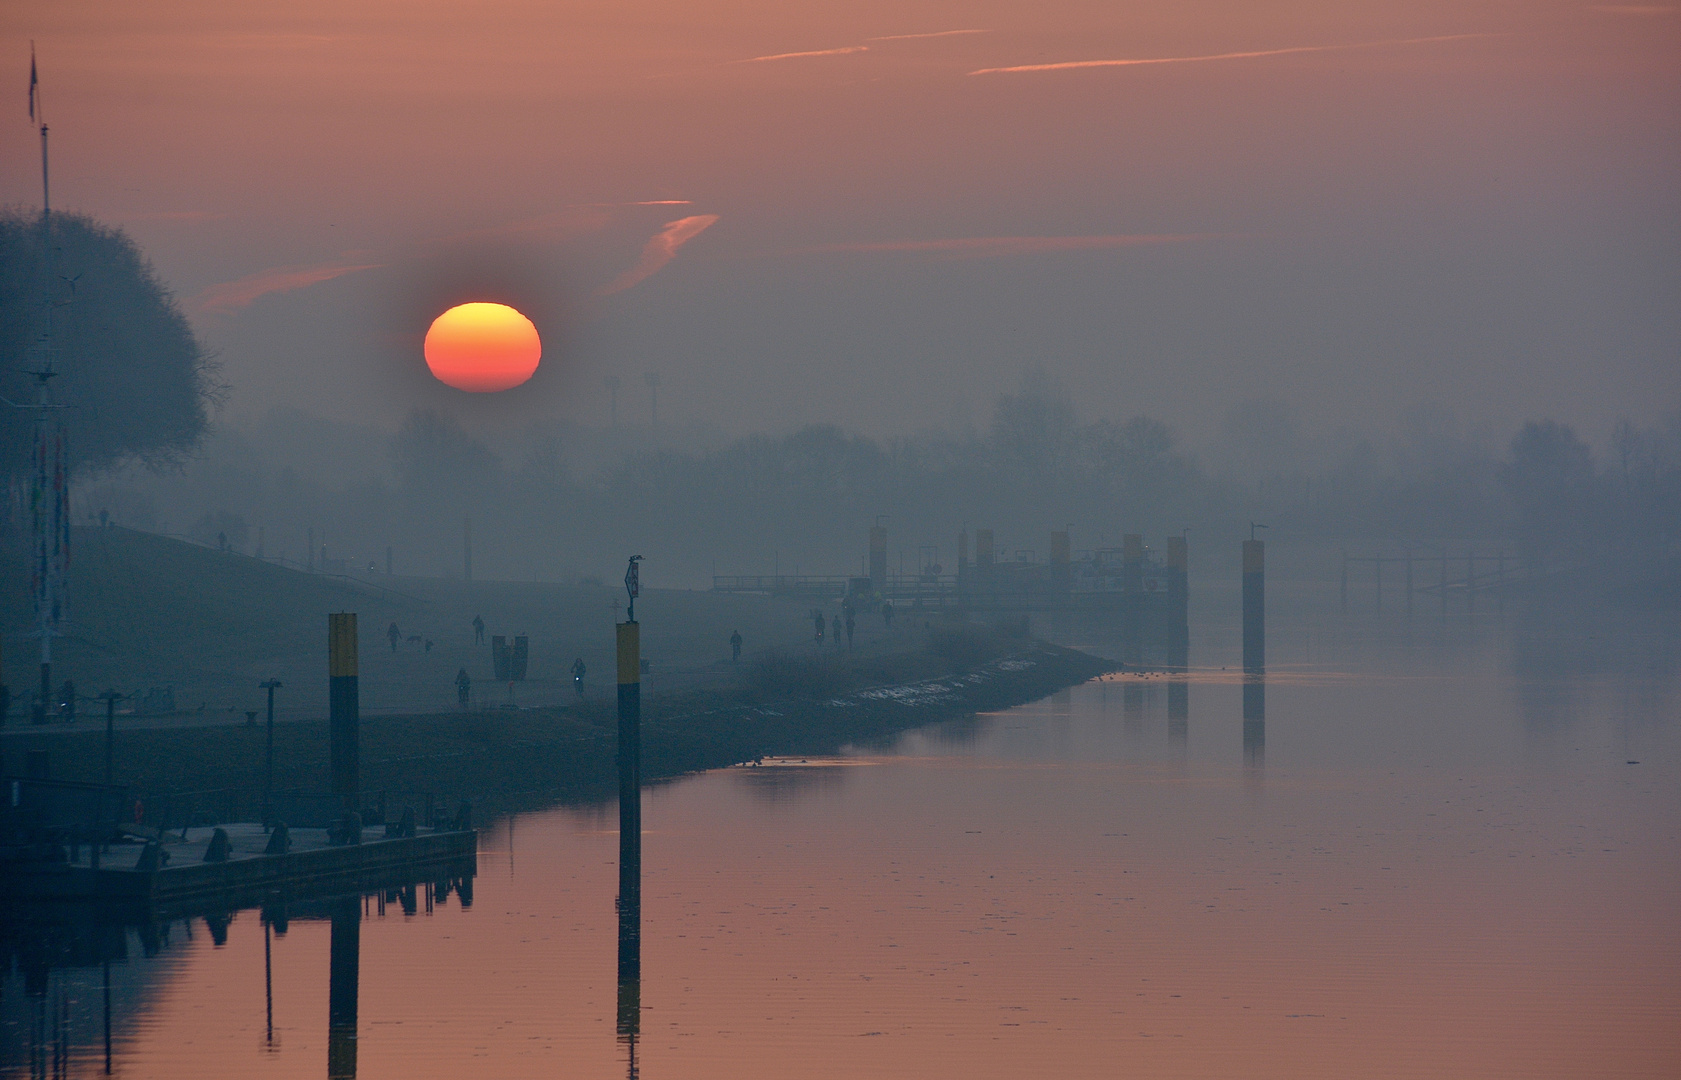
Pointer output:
x,y
542,507
562,500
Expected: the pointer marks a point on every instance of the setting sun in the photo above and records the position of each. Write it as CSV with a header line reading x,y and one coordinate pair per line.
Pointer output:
x,y
482,348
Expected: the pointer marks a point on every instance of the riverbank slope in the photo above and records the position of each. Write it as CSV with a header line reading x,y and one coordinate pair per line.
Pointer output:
x,y
505,760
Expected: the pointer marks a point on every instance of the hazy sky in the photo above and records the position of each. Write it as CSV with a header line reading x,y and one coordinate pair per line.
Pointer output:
x,y
879,213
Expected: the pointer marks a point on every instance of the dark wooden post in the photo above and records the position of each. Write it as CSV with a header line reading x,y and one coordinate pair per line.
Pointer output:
x,y
344,707
630,800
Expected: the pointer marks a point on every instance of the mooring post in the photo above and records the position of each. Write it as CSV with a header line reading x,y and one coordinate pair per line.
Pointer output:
x,y
1254,648
110,698
1132,586
1254,604
630,786
343,707
1179,640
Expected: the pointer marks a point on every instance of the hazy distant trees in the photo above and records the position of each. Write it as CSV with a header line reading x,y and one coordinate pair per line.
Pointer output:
x,y
1551,483
138,384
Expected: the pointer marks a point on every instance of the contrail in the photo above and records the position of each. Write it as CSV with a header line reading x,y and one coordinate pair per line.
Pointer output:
x,y
232,295
798,55
934,34
1010,245
1069,65
660,250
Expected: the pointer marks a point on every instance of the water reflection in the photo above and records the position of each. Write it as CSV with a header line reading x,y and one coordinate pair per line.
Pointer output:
x,y
778,782
84,985
1255,720
343,979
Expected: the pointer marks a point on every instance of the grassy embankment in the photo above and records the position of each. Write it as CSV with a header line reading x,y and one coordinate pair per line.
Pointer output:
x,y
508,760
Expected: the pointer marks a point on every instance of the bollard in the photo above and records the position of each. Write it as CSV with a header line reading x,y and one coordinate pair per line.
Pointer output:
x,y
1178,602
1254,606
878,556
344,707
1132,587
630,801
1179,641
1254,653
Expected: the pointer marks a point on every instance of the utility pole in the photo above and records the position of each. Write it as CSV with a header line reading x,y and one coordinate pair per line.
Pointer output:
x,y
50,494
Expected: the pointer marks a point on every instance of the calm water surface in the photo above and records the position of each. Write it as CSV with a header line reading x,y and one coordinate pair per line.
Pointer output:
x,y
1443,862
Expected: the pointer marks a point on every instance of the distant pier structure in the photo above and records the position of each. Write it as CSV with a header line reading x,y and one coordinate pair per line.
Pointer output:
x,y
1134,581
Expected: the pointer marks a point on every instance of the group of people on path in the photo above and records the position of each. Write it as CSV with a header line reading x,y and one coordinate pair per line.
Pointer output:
x,y
845,619
464,681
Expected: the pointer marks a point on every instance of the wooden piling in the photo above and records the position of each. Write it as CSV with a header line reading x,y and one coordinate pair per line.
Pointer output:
x,y
343,708
630,801
1132,587
1254,606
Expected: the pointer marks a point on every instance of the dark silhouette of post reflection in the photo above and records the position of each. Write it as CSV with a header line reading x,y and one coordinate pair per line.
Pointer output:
x,y
344,975
1254,719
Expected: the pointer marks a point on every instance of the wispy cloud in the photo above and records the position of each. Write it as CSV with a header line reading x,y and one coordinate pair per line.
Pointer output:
x,y
659,251
844,50
1070,65
233,295
1634,9
934,34
574,220
984,246
175,215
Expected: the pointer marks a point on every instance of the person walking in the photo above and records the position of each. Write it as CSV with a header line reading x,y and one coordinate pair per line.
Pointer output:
x,y
578,675
887,613
394,634
817,617
463,687
478,629
735,646
851,623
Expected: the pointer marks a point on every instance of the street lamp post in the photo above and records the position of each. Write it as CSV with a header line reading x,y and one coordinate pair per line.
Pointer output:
x,y
110,698
268,780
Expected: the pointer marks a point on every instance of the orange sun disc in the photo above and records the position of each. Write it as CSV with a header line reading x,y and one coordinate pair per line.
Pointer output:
x,y
482,348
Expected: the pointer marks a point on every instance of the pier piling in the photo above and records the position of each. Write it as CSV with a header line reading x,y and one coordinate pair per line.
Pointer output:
x,y
1254,652
343,708
630,801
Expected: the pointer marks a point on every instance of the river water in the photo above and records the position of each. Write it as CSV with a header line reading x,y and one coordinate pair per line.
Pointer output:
x,y
1456,854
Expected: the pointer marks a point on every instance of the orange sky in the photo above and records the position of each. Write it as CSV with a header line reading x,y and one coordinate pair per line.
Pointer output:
x,y
1424,200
